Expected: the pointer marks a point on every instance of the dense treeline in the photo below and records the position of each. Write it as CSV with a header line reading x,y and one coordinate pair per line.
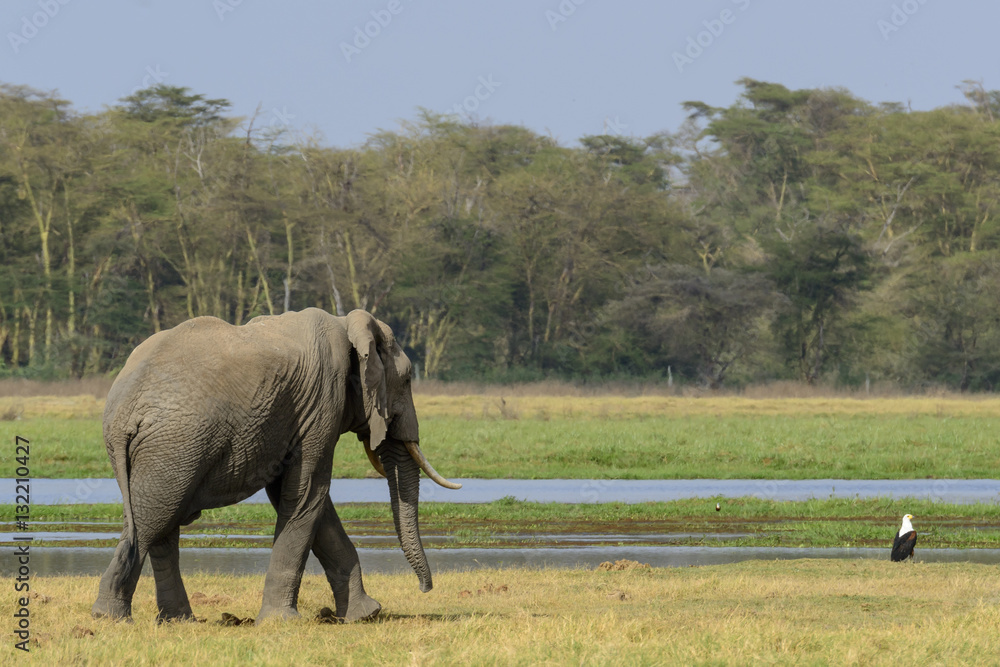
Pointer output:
x,y
802,234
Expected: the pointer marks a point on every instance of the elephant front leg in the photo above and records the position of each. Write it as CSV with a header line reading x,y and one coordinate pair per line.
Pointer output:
x,y
171,598
340,561
293,537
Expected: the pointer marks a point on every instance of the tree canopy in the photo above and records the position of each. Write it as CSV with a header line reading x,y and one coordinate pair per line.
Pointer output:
x,y
796,234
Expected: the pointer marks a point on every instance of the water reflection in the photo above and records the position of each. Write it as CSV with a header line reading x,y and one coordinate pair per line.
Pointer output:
x,y
429,539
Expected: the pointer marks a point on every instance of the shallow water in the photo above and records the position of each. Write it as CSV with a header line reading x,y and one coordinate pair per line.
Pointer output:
x,y
428,539
93,561
957,491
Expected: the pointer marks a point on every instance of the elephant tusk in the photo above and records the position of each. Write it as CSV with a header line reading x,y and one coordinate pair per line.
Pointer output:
x,y
425,465
373,459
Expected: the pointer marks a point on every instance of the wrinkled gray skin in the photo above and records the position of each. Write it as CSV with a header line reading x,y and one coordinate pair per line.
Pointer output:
x,y
206,414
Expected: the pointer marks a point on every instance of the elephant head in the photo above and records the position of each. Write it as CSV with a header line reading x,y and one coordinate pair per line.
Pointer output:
x,y
392,436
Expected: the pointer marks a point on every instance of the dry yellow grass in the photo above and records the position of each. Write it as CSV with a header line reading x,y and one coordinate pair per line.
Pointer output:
x,y
19,387
494,404
63,407
623,407
776,612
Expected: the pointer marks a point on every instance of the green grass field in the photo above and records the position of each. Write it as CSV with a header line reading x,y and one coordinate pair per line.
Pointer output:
x,y
724,446
779,612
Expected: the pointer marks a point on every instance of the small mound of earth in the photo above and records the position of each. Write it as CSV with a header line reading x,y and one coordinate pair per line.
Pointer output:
x,y
200,598
624,564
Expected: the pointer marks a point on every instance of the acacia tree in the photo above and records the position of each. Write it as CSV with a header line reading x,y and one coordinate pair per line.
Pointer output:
x,y
705,325
446,287
952,333
774,173
38,133
846,226
819,265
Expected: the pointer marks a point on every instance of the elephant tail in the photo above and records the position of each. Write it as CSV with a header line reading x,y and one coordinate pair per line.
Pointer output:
x,y
123,471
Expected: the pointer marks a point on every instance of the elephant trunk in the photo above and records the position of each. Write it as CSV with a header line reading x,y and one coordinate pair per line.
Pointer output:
x,y
403,474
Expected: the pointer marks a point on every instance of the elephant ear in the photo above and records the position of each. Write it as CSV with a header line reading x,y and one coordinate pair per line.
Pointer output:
x,y
364,333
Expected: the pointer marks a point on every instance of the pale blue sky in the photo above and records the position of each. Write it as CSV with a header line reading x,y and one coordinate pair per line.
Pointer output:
x,y
608,64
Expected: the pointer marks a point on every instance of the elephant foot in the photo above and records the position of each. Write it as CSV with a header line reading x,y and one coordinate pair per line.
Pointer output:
x,y
170,617
118,610
360,608
268,612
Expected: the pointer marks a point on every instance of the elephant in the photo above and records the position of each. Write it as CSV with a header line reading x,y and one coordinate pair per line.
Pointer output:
x,y
206,414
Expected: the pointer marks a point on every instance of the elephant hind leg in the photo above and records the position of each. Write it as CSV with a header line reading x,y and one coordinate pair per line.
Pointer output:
x,y
171,598
114,598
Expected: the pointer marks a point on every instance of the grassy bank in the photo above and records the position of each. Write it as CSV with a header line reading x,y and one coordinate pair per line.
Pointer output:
x,y
509,523
727,445
790,612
